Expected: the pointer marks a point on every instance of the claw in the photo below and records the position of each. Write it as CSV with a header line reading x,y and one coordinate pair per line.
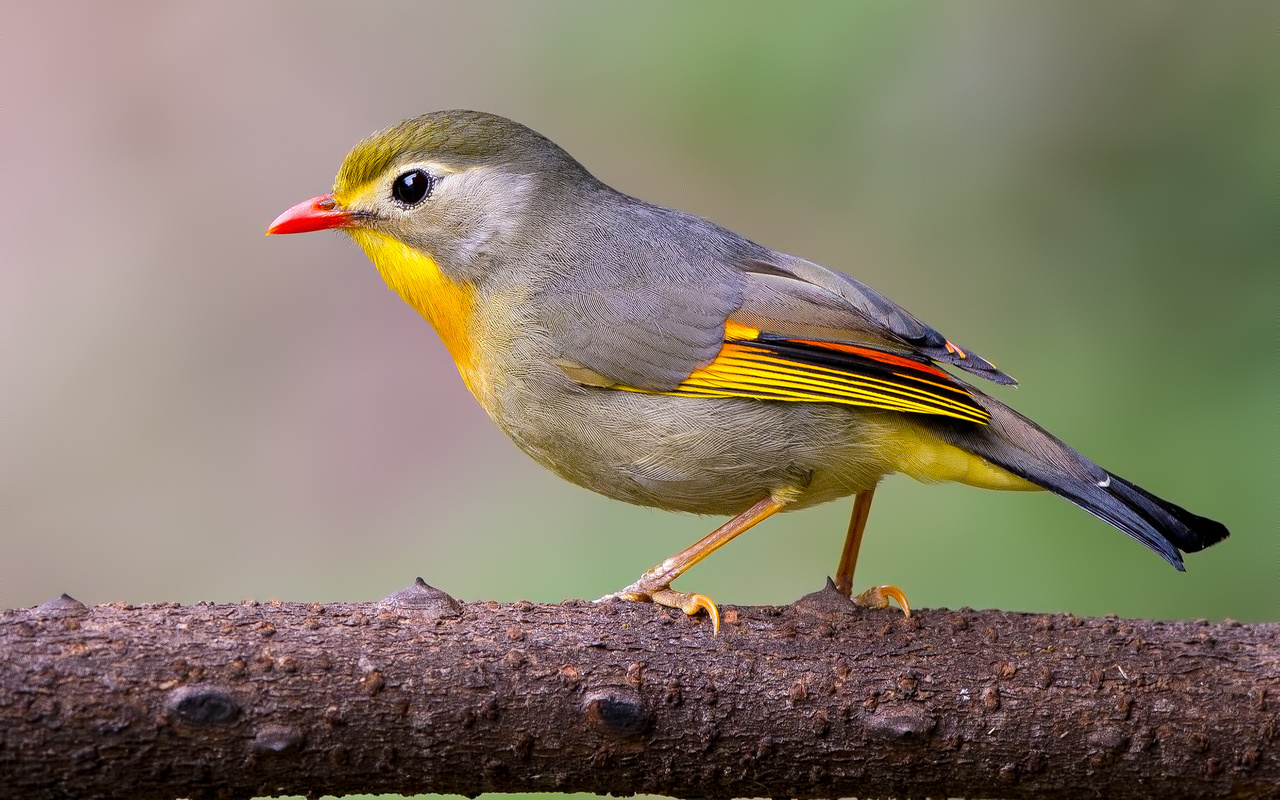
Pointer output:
x,y
879,596
690,603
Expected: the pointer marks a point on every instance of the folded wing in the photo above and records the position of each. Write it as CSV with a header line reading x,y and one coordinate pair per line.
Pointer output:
x,y
773,367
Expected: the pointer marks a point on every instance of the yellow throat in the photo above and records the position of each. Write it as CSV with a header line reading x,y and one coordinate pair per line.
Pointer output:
x,y
416,277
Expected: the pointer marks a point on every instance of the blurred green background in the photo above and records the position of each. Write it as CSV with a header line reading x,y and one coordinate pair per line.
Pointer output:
x,y
1083,192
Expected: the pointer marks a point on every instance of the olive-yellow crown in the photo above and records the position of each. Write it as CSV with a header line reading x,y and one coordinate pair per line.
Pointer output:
x,y
459,138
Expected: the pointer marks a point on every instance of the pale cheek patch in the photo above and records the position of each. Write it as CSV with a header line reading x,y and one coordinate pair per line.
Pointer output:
x,y
504,199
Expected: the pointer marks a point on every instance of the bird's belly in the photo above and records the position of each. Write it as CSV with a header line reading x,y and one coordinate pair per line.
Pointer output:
x,y
700,455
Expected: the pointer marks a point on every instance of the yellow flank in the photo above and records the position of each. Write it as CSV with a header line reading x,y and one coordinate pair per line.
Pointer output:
x,y
417,278
914,451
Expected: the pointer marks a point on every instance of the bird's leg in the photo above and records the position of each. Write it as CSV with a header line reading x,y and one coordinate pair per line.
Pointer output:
x,y
853,541
655,585
877,596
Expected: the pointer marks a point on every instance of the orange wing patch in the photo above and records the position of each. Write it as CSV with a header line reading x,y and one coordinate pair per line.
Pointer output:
x,y
768,367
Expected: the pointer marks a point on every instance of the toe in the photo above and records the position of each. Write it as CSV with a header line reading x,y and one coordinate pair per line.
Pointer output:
x,y
689,603
879,597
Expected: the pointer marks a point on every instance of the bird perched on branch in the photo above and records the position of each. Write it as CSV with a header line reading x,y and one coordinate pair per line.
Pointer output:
x,y
657,358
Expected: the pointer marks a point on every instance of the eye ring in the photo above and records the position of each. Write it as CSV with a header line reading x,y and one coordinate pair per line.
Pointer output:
x,y
412,187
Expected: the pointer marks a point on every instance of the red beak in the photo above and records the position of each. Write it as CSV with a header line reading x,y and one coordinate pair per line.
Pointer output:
x,y
317,214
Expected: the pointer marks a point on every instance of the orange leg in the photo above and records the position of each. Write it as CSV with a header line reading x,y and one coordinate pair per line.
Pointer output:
x,y
655,585
853,541
877,596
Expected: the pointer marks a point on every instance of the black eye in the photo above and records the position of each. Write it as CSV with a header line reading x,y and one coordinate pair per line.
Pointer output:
x,y
412,187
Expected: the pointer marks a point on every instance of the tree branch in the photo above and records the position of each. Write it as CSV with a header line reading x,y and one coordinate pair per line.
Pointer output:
x,y
421,693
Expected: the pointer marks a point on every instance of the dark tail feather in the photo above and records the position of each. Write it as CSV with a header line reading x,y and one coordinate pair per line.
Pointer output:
x,y
1189,532
1159,524
1019,445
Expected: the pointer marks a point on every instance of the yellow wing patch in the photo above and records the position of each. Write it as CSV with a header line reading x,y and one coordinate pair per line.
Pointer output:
x,y
776,368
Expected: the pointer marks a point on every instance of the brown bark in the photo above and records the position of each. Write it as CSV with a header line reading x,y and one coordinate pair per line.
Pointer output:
x,y
420,693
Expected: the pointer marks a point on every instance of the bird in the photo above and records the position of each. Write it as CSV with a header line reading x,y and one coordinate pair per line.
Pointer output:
x,y
660,359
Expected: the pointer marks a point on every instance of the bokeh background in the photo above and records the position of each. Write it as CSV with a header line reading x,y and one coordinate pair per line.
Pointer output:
x,y
1083,192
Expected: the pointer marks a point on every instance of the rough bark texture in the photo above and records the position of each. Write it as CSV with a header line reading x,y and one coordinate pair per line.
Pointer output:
x,y
420,693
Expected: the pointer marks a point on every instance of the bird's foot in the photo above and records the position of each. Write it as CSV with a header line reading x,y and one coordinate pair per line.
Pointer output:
x,y
879,596
688,602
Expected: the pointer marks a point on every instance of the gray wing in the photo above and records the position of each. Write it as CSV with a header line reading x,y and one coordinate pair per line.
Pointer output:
x,y
791,297
647,308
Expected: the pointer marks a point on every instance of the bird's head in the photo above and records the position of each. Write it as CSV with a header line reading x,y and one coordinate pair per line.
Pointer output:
x,y
453,186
